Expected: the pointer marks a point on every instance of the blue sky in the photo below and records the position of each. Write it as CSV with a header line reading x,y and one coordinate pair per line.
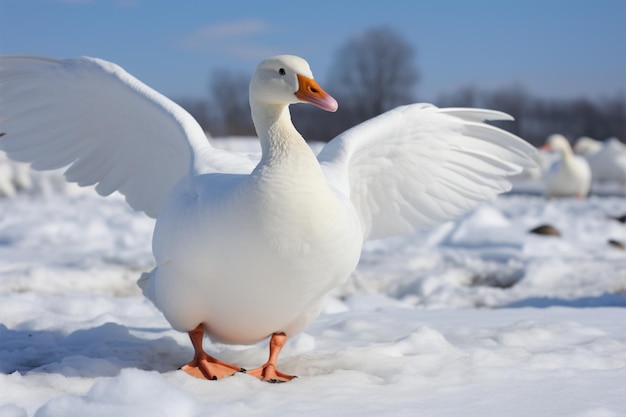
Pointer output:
x,y
553,48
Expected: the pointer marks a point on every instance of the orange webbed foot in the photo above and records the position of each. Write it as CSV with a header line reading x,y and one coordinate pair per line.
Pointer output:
x,y
268,371
207,367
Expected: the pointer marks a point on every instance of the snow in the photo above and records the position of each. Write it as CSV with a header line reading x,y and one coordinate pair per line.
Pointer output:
x,y
476,317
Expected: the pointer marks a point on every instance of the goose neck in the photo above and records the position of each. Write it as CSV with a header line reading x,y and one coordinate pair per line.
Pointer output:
x,y
275,130
566,154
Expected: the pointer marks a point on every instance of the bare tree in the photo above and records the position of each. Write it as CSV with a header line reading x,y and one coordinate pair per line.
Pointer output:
x,y
200,110
513,100
615,111
372,73
463,97
230,93
536,118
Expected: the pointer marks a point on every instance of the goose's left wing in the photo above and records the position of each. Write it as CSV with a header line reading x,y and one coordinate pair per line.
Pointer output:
x,y
418,165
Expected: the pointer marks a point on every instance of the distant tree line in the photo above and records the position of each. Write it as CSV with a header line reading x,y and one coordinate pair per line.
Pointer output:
x,y
375,72
537,118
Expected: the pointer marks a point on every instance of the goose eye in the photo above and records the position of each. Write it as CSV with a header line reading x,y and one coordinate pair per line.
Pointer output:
x,y
282,71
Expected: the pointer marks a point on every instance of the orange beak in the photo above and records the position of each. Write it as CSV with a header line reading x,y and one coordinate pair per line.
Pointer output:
x,y
310,92
546,147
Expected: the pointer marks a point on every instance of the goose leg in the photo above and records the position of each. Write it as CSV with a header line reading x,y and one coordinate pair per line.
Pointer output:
x,y
268,371
203,365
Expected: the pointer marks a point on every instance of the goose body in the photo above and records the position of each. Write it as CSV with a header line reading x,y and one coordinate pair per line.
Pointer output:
x,y
282,227
568,176
607,159
247,248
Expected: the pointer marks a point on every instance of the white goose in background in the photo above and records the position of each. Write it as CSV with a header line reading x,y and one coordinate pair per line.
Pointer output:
x,y
246,251
586,146
569,176
607,159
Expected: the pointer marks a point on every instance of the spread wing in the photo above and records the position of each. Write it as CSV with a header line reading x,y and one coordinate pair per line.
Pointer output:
x,y
418,165
109,128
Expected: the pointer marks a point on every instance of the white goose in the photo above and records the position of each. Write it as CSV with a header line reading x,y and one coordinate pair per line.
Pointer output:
x,y
246,251
569,176
607,159
586,146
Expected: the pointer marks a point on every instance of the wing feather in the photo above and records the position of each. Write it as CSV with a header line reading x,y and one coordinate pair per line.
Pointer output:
x,y
106,126
416,166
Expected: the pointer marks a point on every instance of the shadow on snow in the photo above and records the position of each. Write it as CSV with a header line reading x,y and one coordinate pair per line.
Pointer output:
x,y
101,351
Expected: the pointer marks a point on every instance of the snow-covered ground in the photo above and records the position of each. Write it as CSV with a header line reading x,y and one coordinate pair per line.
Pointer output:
x,y
477,317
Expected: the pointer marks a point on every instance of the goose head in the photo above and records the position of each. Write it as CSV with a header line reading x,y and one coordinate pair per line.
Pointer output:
x,y
587,146
558,143
287,79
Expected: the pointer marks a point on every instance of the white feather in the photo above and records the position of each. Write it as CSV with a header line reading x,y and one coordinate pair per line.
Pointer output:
x,y
416,166
108,127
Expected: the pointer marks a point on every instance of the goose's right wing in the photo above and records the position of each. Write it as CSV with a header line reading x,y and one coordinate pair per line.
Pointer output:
x,y
108,127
